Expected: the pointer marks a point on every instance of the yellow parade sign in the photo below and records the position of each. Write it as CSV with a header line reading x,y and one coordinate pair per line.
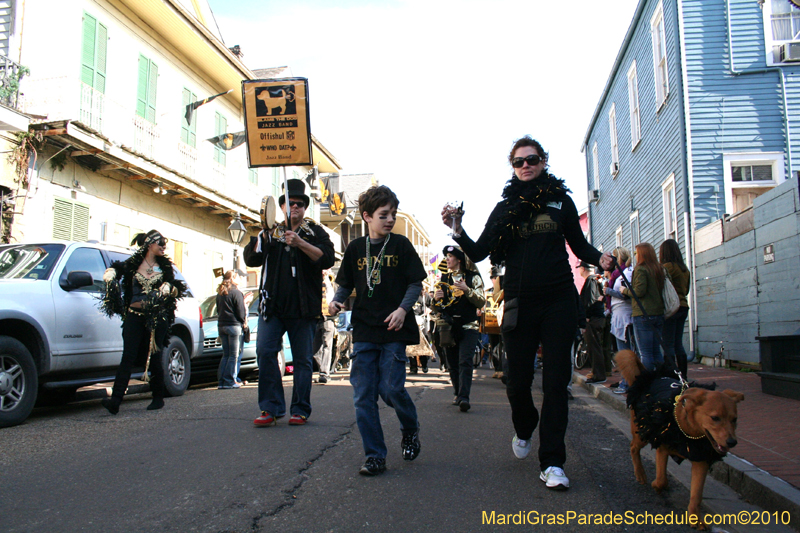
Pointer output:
x,y
277,125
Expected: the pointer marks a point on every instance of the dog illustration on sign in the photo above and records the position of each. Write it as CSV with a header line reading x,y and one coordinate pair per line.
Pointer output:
x,y
271,101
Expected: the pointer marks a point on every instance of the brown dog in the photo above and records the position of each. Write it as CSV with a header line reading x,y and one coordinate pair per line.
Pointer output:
x,y
699,425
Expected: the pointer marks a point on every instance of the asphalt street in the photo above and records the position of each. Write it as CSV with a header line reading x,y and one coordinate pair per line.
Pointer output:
x,y
200,465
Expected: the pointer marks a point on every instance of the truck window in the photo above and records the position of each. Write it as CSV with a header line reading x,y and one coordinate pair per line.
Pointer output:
x,y
91,261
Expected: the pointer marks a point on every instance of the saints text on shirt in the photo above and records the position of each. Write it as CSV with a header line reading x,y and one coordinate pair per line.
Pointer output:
x,y
388,261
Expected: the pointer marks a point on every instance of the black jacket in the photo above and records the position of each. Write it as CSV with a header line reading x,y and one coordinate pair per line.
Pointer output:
x,y
288,295
230,308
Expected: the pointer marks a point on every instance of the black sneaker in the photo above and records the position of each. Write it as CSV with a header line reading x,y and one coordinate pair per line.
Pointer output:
x,y
373,466
410,446
464,406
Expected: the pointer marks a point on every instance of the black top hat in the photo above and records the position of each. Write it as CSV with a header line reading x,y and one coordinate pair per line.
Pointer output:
x,y
456,252
297,189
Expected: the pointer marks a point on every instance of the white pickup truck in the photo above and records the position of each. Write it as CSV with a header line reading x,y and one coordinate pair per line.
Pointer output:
x,y
53,337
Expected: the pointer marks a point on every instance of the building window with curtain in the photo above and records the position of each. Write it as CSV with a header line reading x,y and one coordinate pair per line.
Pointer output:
x,y
659,55
633,103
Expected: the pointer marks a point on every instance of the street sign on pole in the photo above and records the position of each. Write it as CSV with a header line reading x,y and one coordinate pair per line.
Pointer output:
x,y
277,126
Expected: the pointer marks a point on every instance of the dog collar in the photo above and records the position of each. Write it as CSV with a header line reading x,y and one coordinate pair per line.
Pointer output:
x,y
675,413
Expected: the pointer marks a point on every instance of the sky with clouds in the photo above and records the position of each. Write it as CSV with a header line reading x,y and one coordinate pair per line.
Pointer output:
x,y
430,94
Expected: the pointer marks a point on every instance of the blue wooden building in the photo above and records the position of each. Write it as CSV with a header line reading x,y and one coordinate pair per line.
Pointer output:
x,y
700,115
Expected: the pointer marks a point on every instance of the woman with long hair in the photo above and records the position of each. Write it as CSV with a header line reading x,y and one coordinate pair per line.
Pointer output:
x,y
621,309
648,319
458,301
670,256
529,229
144,292
232,318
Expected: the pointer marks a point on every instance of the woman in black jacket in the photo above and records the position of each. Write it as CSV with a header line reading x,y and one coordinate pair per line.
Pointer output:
x,y
527,230
144,292
231,319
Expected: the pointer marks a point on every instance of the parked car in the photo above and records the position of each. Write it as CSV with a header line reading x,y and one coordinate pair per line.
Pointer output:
x,y
344,343
53,337
207,366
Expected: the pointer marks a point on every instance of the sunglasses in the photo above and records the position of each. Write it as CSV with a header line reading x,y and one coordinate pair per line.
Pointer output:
x,y
532,160
296,203
163,242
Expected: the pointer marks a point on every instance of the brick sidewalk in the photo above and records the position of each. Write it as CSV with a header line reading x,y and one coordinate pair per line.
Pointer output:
x,y
768,428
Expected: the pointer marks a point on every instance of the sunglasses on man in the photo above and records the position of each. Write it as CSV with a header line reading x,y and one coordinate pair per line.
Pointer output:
x,y
296,203
532,160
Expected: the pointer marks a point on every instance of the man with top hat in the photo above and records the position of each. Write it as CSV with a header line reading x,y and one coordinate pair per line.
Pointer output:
x,y
457,299
292,257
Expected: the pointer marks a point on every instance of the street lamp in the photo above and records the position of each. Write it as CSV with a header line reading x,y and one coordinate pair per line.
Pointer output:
x,y
237,231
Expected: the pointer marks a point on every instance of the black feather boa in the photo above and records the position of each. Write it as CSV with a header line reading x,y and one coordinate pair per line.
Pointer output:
x,y
158,308
522,200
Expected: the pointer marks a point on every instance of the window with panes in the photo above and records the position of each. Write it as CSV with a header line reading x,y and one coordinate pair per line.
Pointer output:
x,y
220,128
188,129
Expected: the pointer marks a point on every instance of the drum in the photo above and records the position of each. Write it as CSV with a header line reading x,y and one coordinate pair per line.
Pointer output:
x,y
269,207
489,323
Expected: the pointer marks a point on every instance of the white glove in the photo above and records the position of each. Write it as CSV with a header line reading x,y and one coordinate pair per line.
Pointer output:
x,y
109,275
165,289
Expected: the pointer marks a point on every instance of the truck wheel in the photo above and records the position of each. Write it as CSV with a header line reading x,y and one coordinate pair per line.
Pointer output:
x,y
18,382
177,367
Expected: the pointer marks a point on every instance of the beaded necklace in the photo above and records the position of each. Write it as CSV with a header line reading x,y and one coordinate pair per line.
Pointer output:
x,y
374,270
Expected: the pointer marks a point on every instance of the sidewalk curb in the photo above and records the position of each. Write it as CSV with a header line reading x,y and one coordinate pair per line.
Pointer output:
x,y
752,483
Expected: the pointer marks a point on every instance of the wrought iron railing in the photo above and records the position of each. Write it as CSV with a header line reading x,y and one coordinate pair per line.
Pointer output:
x,y
10,74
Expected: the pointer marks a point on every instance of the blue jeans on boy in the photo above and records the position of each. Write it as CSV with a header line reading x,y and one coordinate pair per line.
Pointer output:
x,y
380,370
270,382
230,336
648,332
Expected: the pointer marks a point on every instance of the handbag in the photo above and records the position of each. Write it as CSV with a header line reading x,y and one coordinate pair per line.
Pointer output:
x,y
671,300
246,333
446,336
510,315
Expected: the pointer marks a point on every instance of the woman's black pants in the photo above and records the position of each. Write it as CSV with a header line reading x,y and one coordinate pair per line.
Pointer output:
x,y
551,321
136,344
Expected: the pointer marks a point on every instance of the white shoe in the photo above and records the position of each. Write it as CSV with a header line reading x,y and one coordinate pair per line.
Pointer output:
x,y
555,478
521,447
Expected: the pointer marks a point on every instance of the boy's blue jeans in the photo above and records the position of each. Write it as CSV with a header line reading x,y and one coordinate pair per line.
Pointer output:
x,y
380,370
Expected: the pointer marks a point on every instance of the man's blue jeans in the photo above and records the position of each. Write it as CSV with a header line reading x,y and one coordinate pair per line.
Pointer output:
x,y
648,333
270,384
380,370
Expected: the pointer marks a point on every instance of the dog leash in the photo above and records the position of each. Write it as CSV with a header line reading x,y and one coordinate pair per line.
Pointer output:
x,y
683,382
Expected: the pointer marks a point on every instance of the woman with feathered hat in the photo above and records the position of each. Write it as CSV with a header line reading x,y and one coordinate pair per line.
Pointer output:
x,y
144,292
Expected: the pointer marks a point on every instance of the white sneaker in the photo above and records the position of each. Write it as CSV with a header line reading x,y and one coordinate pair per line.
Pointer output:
x,y
521,447
555,478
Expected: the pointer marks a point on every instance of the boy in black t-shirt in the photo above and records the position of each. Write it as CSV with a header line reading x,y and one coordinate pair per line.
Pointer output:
x,y
387,274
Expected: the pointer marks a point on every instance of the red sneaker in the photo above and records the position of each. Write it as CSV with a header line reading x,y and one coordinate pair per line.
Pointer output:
x,y
297,420
265,420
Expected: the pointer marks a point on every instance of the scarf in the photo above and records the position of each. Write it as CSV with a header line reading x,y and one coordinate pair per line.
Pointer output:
x,y
522,200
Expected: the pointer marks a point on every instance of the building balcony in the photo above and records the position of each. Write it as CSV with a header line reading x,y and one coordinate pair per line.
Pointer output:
x,y
10,74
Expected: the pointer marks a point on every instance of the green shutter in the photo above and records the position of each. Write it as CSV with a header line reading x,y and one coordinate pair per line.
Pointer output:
x,y
141,87
70,220
217,150
80,222
185,100
100,59
152,86
223,155
62,219
87,53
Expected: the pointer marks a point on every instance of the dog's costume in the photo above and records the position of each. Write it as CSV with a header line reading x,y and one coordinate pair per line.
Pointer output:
x,y
652,398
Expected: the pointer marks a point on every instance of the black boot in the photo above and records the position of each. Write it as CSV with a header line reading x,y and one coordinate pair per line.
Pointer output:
x,y
157,403
112,404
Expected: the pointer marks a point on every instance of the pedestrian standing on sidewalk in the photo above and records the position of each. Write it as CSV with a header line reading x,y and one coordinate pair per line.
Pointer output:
x,y
292,257
231,320
386,273
144,292
458,299
670,256
621,309
592,302
327,329
647,284
528,229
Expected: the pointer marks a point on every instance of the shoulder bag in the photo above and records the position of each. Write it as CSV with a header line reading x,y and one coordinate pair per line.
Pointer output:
x,y
671,300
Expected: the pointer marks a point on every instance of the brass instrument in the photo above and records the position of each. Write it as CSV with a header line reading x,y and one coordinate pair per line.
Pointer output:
x,y
455,292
